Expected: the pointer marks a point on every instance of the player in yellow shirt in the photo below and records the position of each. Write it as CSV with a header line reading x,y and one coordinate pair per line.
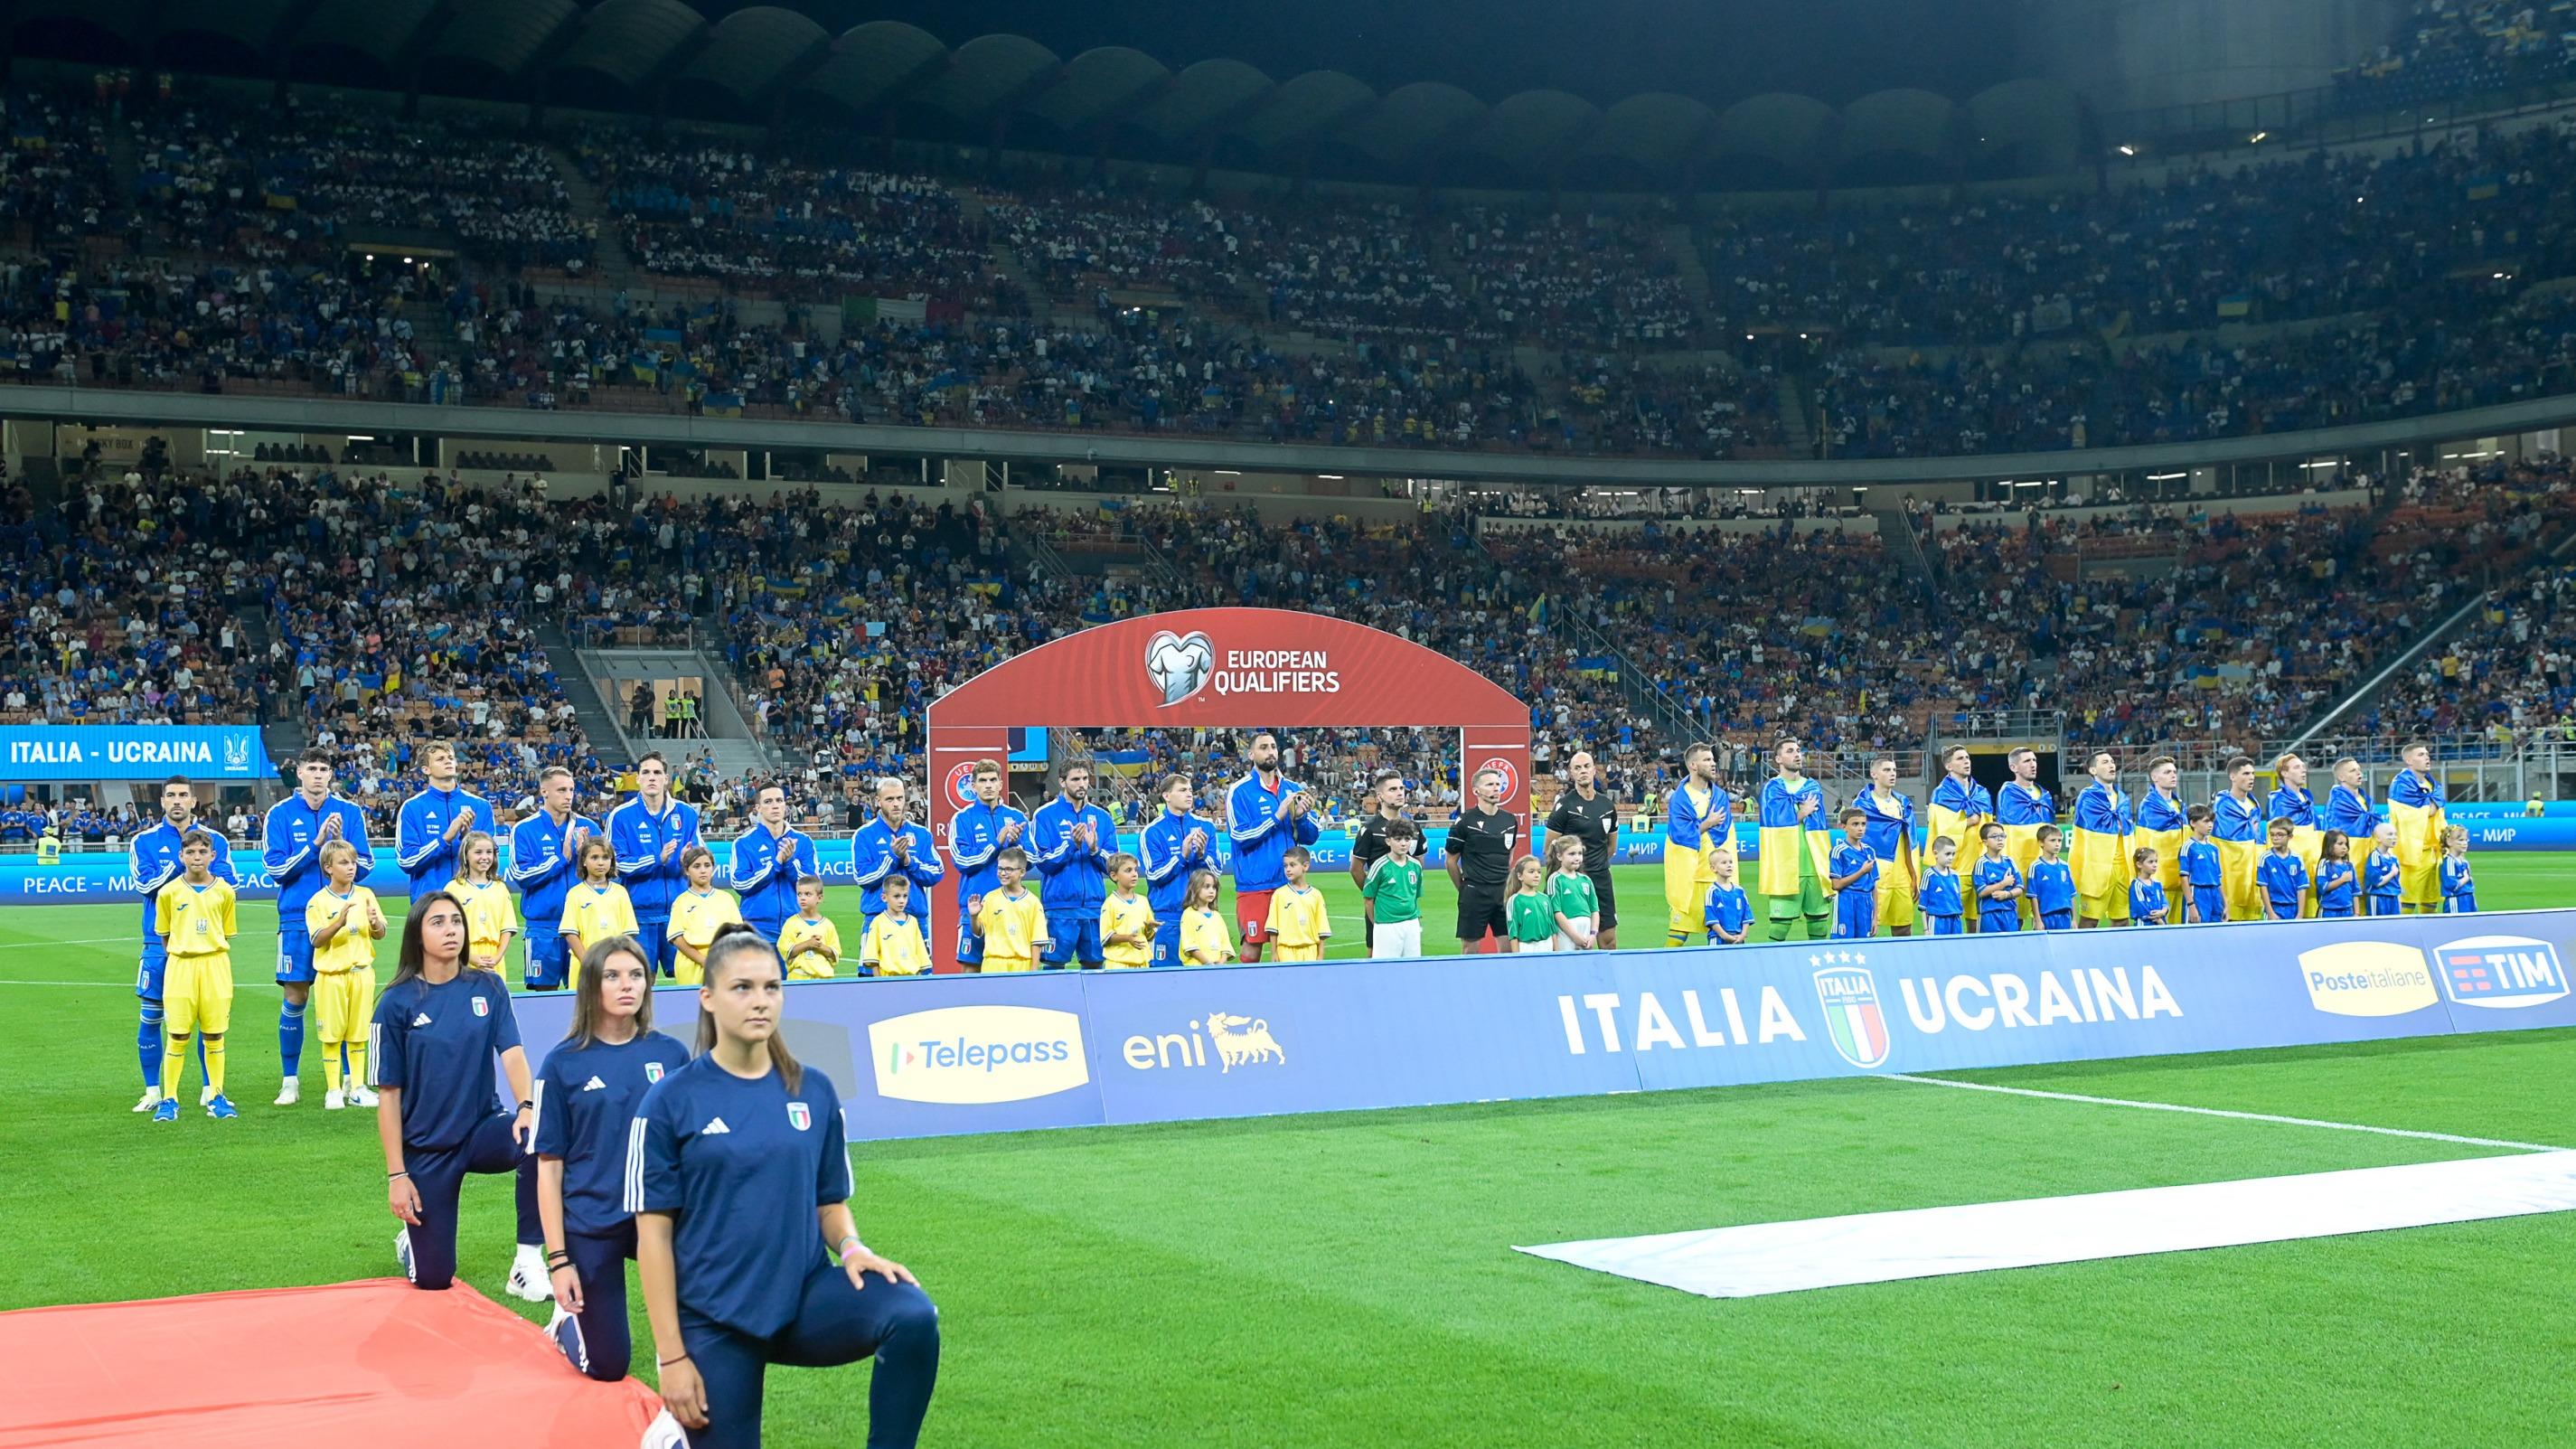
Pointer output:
x,y
1299,922
596,907
195,916
893,943
1012,920
697,914
809,941
491,921
1126,918
345,922
1205,939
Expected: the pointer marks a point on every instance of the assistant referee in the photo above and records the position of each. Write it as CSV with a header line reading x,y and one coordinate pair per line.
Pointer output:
x,y
1480,863
1591,816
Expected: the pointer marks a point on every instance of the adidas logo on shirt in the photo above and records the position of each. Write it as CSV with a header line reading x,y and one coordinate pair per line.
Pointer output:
x,y
594,1085
713,1127
421,1020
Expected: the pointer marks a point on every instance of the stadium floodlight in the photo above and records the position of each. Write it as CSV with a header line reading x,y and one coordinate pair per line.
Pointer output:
x,y
2256,138
2127,150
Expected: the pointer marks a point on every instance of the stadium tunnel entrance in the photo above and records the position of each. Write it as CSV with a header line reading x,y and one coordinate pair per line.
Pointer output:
x,y
1231,669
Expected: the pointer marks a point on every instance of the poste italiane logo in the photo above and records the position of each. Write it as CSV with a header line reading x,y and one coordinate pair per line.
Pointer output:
x,y
2366,978
961,1055
1179,665
1231,1041
2501,972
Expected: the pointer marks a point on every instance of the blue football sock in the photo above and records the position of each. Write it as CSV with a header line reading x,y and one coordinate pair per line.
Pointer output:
x,y
290,1035
147,1045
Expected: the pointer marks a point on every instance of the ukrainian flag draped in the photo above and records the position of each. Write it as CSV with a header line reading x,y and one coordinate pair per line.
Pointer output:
x,y
1780,828
1699,823
2099,851
2163,825
1959,808
2238,831
2021,809
2307,842
2348,810
2415,808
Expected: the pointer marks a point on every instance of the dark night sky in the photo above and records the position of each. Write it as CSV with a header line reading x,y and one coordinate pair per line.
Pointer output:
x,y
1602,50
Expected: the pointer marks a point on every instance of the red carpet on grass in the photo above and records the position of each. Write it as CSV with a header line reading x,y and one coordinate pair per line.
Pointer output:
x,y
373,1365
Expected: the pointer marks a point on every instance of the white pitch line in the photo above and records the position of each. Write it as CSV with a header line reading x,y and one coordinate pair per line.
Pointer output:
x,y
2221,1112
81,941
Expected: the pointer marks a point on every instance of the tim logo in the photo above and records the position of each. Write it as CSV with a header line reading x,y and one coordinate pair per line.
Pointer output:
x,y
1511,777
2502,972
1179,664
1235,1041
1852,1017
961,784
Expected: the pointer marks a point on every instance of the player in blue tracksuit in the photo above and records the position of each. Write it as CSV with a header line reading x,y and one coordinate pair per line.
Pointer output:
x,y
153,862
976,834
291,837
439,1031
1176,846
890,844
1070,842
768,860
1264,814
648,832
432,821
545,862
587,1093
738,1174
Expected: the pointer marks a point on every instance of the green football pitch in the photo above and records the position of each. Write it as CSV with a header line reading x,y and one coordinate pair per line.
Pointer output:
x,y
1349,1280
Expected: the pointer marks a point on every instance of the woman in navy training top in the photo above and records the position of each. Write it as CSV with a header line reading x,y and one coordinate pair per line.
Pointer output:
x,y
437,1030
586,1098
739,1175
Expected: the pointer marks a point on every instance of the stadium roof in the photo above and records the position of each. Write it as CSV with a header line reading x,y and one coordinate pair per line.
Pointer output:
x,y
768,62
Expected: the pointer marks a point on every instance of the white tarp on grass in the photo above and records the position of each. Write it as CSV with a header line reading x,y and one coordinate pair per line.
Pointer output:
x,y
1760,1258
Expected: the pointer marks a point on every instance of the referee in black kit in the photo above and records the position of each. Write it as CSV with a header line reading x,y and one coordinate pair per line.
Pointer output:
x,y
1591,816
1480,863
1368,843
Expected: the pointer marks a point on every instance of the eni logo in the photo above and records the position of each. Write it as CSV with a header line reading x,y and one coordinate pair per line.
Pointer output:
x,y
1179,664
1237,1041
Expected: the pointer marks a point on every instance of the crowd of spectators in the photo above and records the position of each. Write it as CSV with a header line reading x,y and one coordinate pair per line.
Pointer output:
x,y
2450,48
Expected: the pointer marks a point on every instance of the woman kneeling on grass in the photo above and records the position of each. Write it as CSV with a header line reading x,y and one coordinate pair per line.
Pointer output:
x,y
586,1098
739,1176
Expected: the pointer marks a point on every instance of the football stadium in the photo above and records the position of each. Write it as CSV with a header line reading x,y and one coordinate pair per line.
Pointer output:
x,y
809,725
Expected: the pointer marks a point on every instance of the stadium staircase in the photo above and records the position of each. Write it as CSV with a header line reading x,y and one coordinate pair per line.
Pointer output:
x,y
2458,619
1795,423
1688,269
572,676
611,674
1896,534
43,477
615,266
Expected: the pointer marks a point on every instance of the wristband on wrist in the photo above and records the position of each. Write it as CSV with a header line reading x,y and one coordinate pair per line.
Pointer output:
x,y
390,1176
667,1362
849,1245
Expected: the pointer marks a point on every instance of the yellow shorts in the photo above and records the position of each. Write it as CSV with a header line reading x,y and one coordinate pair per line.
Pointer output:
x,y
997,964
1895,904
1688,877
342,1003
809,966
686,972
1284,953
2111,905
197,994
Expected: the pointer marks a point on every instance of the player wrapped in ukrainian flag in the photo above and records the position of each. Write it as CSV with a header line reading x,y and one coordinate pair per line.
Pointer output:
x,y
2415,805
2099,853
2293,801
2022,806
2164,823
1797,841
1699,823
2237,829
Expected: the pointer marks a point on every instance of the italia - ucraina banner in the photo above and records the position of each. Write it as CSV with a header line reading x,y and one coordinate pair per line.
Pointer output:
x,y
1231,669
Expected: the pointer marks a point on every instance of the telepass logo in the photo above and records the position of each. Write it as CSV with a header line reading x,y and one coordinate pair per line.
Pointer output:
x,y
965,1055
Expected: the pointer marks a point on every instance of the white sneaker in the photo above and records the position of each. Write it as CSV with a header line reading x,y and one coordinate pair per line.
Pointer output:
x,y
528,1278
402,1250
291,1092
151,1099
205,1096
332,1101
361,1097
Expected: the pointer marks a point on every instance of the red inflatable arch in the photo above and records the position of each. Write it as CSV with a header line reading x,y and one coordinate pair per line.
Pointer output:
x,y
1235,669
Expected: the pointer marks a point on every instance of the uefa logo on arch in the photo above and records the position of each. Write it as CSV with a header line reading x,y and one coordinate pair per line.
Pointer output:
x,y
961,784
1510,774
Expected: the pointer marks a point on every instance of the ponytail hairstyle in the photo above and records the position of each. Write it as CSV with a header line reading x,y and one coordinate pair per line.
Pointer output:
x,y
589,998
739,946
408,965
465,858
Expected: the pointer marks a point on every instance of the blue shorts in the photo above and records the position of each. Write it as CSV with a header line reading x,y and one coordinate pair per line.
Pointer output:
x,y
294,954
549,960
2334,913
2005,918
2211,901
2462,905
2383,905
1076,938
147,972
2057,920
653,933
1947,926
1167,939
1855,915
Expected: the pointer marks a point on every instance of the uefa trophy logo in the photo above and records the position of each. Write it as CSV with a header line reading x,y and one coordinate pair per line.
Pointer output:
x,y
1179,665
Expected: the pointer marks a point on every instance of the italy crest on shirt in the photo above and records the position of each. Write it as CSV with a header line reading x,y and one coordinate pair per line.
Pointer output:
x,y
800,1115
